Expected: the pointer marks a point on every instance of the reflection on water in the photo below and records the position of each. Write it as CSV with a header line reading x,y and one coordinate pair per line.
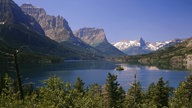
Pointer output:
x,y
148,74
152,68
96,72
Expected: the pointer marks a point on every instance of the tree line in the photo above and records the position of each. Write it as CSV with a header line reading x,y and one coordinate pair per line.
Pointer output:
x,y
58,94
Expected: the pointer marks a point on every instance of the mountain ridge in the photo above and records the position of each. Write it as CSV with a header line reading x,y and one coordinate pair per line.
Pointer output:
x,y
11,14
18,33
96,38
61,31
135,47
176,56
55,27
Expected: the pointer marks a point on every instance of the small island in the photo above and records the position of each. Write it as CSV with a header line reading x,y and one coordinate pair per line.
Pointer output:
x,y
119,68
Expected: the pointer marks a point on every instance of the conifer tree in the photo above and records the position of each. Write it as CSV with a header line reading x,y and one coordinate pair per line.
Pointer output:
x,y
79,86
2,84
183,95
52,94
158,95
162,93
121,100
134,96
113,91
148,96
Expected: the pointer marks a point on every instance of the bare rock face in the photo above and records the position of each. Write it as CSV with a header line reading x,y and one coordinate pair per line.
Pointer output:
x,y
91,36
56,28
97,39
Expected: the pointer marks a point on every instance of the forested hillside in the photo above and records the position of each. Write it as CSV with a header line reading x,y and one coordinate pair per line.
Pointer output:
x,y
177,56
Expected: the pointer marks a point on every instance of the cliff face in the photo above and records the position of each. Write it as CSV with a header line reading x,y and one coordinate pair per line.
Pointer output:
x,y
97,39
55,28
91,36
21,31
11,14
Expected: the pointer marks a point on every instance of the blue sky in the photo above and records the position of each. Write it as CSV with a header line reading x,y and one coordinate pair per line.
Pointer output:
x,y
154,20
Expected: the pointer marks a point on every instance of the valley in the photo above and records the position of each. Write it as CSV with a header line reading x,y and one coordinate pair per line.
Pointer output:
x,y
43,61
43,37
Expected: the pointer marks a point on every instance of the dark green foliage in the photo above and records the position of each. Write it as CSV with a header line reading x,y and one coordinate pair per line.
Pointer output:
x,y
79,86
115,94
57,94
161,93
183,95
121,99
158,94
2,83
112,87
134,96
189,87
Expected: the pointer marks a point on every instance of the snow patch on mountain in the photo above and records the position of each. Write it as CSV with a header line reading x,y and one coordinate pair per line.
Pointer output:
x,y
123,45
150,46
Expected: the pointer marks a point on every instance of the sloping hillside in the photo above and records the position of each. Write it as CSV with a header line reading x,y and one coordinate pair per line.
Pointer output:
x,y
177,56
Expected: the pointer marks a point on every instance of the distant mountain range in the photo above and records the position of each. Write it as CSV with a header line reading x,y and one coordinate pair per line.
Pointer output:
x,y
177,56
135,47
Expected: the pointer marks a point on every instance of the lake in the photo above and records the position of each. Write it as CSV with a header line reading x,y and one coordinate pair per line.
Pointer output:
x,y
96,72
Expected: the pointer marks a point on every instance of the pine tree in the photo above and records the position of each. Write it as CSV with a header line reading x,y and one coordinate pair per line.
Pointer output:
x,y
158,95
121,100
134,96
2,84
113,92
79,86
52,94
189,87
148,96
162,93
9,95
183,95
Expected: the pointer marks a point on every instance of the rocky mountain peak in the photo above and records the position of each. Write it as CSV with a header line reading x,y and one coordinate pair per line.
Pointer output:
x,y
96,38
11,13
134,47
32,9
91,36
55,27
142,42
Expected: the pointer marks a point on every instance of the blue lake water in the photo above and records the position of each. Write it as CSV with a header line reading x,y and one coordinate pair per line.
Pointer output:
x,y
96,72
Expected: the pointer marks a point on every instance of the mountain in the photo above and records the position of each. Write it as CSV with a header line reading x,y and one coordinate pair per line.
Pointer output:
x,y
97,39
142,43
58,29
177,56
11,14
55,27
19,30
135,47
